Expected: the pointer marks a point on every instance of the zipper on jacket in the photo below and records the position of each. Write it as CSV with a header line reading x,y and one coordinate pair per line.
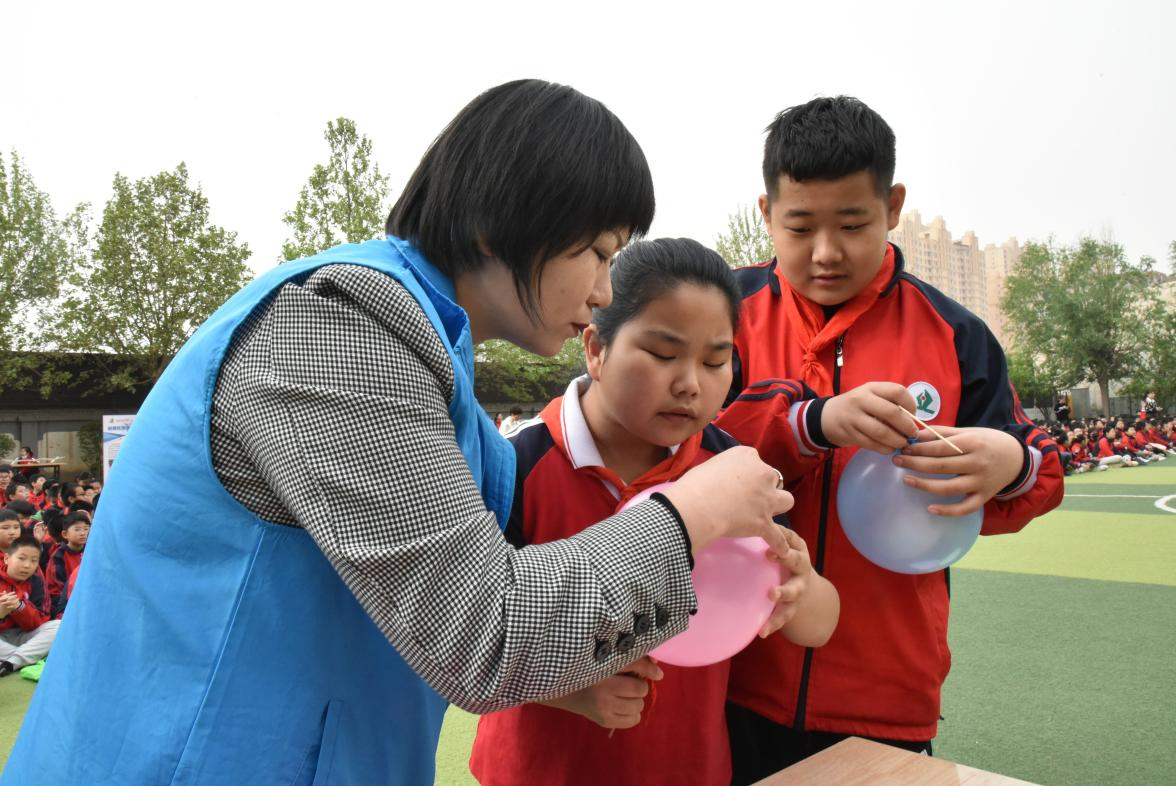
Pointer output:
x,y
826,488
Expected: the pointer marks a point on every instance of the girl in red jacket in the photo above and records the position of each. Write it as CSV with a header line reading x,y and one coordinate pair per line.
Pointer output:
x,y
659,364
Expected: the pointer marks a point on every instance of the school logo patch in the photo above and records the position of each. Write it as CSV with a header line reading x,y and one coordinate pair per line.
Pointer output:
x,y
927,400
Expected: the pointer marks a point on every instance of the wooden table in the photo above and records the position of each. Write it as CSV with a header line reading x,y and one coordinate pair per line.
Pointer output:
x,y
33,468
858,762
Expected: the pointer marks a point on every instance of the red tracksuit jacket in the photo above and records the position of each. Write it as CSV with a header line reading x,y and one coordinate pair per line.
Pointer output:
x,y
682,736
881,672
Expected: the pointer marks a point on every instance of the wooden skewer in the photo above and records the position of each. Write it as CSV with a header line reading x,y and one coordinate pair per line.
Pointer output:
x,y
931,428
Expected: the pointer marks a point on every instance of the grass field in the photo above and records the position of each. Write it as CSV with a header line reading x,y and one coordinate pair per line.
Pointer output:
x,y
1063,637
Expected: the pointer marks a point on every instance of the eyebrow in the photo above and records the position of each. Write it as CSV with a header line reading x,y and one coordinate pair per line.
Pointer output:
x,y
674,338
845,211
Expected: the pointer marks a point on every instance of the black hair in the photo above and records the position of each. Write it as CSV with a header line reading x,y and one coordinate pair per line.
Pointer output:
x,y
8,515
24,541
52,519
73,518
84,478
646,270
828,139
5,468
527,170
82,506
22,507
70,490
516,410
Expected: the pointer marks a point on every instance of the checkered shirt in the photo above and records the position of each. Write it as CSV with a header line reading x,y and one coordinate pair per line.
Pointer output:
x,y
330,414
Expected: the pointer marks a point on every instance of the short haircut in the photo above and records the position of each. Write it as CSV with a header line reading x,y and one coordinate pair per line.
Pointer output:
x,y
646,270
526,171
22,507
516,410
75,517
8,515
23,542
828,139
5,468
52,519
82,506
70,490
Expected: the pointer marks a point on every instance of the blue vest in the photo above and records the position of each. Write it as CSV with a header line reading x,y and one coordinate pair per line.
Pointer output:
x,y
203,645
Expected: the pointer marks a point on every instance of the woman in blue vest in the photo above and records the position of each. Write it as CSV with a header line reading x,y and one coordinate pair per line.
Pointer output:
x,y
245,617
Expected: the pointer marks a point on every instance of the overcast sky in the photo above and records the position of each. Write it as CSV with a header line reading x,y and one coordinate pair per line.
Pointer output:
x,y
1013,119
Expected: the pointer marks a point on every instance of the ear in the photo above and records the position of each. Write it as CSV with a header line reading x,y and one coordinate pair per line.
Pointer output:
x,y
593,351
765,208
894,204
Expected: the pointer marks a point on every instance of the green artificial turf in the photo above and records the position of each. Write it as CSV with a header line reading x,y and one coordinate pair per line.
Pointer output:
x,y
1061,681
1064,643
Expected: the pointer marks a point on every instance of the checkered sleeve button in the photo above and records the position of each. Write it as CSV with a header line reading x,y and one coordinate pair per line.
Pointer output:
x,y
641,624
603,651
661,616
625,642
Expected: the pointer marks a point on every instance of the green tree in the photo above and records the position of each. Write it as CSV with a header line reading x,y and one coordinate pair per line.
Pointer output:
x,y
159,268
344,201
36,252
507,373
1083,310
1031,381
746,240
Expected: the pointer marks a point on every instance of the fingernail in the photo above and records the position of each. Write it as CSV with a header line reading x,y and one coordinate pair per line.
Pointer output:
x,y
907,479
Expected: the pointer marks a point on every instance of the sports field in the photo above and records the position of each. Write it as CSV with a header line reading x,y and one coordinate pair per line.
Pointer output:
x,y
1064,642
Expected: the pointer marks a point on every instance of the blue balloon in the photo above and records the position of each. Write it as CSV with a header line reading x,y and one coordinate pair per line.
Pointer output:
x,y
888,523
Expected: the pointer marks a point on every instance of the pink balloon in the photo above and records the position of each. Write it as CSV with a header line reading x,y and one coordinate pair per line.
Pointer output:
x,y
733,581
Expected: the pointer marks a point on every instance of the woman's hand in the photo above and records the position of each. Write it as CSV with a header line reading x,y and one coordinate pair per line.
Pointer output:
x,y
734,494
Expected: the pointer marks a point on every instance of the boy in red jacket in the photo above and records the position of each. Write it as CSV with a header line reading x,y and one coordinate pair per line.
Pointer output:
x,y
26,632
835,309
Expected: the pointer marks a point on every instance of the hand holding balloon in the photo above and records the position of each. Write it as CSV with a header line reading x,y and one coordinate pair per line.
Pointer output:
x,y
991,460
889,520
615,702
807,605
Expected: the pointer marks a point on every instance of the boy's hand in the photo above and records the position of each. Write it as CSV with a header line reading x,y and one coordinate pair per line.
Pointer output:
x,y
8,603
874,416
615,702
991,460
39,531
788,594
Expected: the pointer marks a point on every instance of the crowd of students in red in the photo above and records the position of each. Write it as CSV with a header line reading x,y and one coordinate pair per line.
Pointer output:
x,y
44,525
1096,444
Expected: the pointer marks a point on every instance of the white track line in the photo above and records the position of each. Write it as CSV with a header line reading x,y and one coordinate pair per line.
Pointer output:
x,y
1119,496
1162,503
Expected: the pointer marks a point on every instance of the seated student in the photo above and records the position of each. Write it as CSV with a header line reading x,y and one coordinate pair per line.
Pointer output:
x,y
1126,446
1138,436
75,531
9,530
52,496
659,365
71,493
1109,453
25,510
49,536
26,632
26,456
5,479
1157,441
19,490
1081,458
37,490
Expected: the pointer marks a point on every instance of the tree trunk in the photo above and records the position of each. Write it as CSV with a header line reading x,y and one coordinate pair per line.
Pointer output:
x,y
1104,387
